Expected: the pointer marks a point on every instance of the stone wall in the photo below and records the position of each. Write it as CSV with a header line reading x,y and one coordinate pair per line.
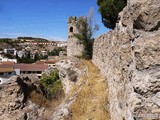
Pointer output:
x,y
74,47
129,59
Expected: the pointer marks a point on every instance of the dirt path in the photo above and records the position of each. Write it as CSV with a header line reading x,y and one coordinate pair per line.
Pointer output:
x,y
92,101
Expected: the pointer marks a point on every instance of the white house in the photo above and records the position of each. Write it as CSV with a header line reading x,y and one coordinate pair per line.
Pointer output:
x,y
20,53
21,69
62,44
3,80
5,74
8,60
10,51
50,63
1,55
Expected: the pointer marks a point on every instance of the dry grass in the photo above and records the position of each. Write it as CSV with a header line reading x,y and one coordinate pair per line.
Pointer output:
x,y
49,105
39,99
91,102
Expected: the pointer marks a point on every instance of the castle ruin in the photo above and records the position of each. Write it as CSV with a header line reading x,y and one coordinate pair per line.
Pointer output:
x,y
74,47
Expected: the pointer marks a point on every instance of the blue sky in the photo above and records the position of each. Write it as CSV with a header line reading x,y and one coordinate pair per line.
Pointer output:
x,y
43,18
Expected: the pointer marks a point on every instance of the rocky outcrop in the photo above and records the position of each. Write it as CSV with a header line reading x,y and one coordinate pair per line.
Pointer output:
x,y
70,71
15,103
128,57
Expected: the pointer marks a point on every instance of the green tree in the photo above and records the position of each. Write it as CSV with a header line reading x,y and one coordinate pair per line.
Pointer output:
x,y
36,57
26,58
109,10
10,56
86,29
55,51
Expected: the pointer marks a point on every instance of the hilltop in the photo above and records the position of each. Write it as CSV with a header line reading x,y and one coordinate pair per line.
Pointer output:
x,y
36,39
33,43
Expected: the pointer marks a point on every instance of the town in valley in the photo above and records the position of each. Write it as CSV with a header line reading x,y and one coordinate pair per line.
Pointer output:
x,y
28,55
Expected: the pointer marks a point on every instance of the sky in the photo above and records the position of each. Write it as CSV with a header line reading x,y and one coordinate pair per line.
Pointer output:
x,y
44,18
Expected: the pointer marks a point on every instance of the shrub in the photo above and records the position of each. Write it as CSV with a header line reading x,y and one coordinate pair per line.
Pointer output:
x,y
53,84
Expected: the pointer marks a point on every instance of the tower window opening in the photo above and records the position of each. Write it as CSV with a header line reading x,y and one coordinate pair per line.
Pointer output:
x,y
71,29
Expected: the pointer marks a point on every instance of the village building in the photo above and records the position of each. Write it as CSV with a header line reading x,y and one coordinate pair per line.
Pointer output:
x,y
8,60
22,69
43,52
11,51
5,74
53,57
50,63
1,55
20,54
4,59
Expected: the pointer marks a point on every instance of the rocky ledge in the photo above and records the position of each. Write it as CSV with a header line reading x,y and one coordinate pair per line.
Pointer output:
x,y
15,103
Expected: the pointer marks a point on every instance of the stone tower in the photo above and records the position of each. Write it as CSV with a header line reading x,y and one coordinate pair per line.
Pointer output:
x,y
74,48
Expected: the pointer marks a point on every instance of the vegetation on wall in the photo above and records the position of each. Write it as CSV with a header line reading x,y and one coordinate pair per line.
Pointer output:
x,y
71,18
53,84
109,10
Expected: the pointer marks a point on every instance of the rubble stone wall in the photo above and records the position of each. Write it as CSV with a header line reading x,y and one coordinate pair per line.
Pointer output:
x,y
129,59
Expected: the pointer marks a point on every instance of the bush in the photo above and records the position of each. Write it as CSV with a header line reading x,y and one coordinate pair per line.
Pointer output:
x,y
109,10
53,84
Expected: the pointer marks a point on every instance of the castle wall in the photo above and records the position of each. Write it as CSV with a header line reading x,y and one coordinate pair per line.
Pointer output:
x,y
128,58
74,48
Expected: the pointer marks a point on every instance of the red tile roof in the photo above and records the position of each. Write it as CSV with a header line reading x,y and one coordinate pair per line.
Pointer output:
x,y
39,62
25,67
6,70
52,57
50,61
8,62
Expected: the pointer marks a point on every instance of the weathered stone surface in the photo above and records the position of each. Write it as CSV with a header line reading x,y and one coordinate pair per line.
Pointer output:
x,y
14,102
156,99
129,59
144,15
68,74
147,51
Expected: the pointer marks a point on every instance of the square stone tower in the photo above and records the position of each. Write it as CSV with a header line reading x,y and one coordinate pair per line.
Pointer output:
x,y
74,47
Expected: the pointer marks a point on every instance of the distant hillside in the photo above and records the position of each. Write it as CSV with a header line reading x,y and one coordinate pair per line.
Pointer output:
x,y
13,42
33,39
4,45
